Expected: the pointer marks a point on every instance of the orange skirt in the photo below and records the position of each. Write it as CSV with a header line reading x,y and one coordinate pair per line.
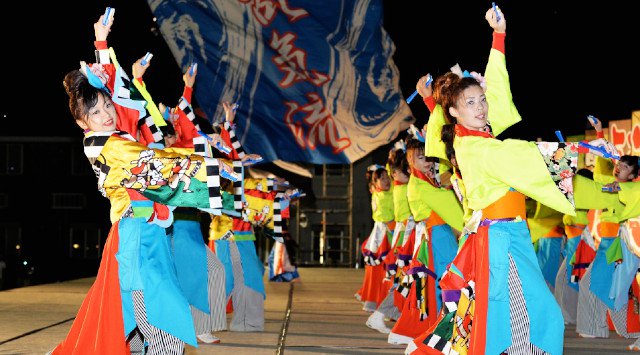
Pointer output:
x,y
409,323
99,327
373,288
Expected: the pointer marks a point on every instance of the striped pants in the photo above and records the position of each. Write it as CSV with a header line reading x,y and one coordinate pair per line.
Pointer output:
x,y
216,320
566,296
592,313
158,341
248,305
591,318
619,320
519,318
136,343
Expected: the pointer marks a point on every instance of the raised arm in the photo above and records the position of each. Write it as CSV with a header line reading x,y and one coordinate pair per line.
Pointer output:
x,y
496,20
502,111
184,118
426,91
101,30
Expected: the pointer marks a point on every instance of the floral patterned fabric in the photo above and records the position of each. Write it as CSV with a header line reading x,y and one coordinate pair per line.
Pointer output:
x,y
562,162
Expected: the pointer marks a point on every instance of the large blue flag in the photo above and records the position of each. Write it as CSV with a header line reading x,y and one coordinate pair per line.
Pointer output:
x,y
315,80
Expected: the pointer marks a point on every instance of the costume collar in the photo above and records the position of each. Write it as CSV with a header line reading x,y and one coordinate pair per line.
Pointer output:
x,y
461,131
422,176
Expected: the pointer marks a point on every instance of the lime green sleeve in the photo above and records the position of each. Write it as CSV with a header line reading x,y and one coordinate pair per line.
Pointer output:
x,y
490,167
502,111
424,198
445,203
588,194
603,171
579,218
434,146
629,194
543,211
401,210
382,206
539,227
543,221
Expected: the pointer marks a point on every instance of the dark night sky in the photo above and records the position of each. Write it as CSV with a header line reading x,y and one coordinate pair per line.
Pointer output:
x,y
565,60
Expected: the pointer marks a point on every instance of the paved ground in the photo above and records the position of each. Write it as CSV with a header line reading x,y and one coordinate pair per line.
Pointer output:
x,y
324,319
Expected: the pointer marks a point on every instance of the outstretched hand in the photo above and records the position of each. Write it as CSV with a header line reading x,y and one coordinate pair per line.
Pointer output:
x,y
423,89
612,187
226,171
492,15
250,159
229,111
102,31
597,125
138,69
189,78
216,140
603,143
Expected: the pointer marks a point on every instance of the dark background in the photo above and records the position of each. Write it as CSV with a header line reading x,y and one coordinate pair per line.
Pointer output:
x,y
565,60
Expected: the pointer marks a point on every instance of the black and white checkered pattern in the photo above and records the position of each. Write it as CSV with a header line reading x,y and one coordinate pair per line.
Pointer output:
x,y
234,139
158,137
419,296
123,92
213,182
94,142
403,289
201,147
238,186
136,343
185,107
436,342
277,215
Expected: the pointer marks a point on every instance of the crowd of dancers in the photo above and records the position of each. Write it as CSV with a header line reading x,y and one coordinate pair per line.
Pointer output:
x,y
479,246
488,246
160,285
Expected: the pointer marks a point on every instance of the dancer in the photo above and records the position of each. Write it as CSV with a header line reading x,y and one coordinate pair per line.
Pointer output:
x,y
431,246
566,289
135,281
495,276
377,246
399,168
596,297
